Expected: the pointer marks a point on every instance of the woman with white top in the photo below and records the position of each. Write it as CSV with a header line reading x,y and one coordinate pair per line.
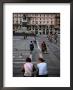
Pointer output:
x,y
42,68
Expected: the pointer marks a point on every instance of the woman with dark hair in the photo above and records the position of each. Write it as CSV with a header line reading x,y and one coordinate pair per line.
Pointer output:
x,y
28,68
44,47
42,68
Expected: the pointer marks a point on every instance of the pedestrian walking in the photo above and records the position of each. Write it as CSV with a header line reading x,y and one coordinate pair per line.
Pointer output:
x,y
31,46
42,70
24,37
50,37
44,47
28,68
55,37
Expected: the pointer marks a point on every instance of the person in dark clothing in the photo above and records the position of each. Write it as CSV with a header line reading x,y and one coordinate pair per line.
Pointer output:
x,y
31,46
44,47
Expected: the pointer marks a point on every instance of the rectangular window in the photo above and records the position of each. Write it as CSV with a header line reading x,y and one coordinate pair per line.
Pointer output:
x,y
36,22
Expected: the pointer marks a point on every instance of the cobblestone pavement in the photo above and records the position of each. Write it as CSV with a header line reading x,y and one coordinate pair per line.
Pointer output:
x,y
21,51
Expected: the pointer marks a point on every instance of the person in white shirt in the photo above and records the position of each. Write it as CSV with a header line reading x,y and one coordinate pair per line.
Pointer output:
x,y
28,68
42,68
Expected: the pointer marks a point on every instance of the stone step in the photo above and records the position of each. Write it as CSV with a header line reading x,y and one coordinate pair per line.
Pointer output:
x,y
20,55
19,60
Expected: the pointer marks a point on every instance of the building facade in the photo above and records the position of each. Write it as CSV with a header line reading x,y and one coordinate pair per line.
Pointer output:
x,y
37,23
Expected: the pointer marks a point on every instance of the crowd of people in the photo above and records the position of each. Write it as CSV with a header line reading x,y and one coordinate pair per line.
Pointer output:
x,y
40,69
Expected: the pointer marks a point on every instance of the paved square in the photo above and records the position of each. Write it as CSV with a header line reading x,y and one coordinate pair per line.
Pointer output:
x,y
21,51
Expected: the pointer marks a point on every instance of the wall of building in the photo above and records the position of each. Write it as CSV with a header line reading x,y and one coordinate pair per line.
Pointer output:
x,y
39,23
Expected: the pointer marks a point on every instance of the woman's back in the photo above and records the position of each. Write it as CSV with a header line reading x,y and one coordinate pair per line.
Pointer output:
x,y
42,68
28,69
